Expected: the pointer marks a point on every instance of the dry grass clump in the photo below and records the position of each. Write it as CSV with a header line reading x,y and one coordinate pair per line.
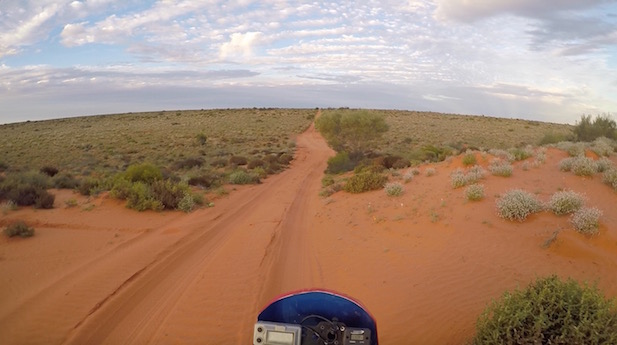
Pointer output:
x,y
587,220
460,178
430,172
580,165
610,177
19,229
469,159
603,164
475,192
394,189
565,202
499,167
603,146
517,204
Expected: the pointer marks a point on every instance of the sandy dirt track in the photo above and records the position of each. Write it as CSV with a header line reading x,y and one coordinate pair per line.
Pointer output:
x,y
425,264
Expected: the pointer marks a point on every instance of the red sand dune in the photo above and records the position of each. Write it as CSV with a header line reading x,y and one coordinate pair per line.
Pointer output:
x,y
425,264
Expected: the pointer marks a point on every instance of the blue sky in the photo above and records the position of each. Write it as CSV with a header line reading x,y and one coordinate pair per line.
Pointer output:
x,y
550,60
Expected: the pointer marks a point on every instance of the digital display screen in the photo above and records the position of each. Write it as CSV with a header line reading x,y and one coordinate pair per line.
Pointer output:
x,y
356,337
282,338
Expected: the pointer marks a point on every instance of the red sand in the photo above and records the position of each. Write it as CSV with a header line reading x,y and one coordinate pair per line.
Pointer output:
x,y
425,264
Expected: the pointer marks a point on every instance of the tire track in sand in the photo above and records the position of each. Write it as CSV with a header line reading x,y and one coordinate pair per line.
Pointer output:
x,y
208,286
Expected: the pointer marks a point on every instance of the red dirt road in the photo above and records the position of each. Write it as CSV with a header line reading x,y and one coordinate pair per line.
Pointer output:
x,y
425,264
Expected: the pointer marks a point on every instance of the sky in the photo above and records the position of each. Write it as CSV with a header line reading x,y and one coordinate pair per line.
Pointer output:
x,y
547,60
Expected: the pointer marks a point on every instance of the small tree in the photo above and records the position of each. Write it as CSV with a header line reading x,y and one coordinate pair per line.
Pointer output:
x,y
602,126
351,131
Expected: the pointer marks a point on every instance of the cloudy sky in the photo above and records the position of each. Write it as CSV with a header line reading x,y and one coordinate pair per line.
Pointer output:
x,y
550,60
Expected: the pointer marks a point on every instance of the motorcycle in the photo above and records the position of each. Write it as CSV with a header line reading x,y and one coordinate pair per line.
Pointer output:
x,y
315,317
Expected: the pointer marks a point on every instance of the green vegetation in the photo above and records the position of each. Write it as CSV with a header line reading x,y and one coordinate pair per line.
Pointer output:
x,y
394,189
365,181
351,131
469,159
243,177
27,189
549,311
340,163
517,204
475,192
587,129
565,202
587,220
502,168
19,229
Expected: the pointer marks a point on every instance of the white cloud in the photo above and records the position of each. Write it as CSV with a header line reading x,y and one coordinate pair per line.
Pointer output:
x,y
239,45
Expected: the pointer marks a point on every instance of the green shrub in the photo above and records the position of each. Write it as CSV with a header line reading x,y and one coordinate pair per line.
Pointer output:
x,y
169,194
610,177
601,126
565,202
49,171
243,177
549,311
19,229
520,154
587,220
144,172
91,186
327,181
352,130
469,159
554,138
474,192
140,198
500,168
24,195
364,182
394,189
29,178
517,204
340,163
65,181
219,163
205,180
187,203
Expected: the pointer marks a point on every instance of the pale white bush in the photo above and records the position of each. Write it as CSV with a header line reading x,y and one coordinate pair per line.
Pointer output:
x,y
517,204
565,202
394,189
587,220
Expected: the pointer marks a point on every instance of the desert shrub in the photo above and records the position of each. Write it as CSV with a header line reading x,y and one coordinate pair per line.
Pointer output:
x,y
603,146
7,206
566,164
565,202
91,186
19,229
327,181
540,156
584,166
71,203
326,192
202,138
271,159
602,126
408,176
65,181
187,203
502,154
520,154
364,182
430,171
238,160
254,163
169,194
189,163
273,168
610,177
49,170
603,164
340,163
474,174
205,180
3,166
285,159
474,192
549,311
469,159
144,172
394,189
401,164
457,178
243,177
44,200
30,178
500,168
554,138
140,198
517,204
434,153
260,172
219,163
586,220
351,131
